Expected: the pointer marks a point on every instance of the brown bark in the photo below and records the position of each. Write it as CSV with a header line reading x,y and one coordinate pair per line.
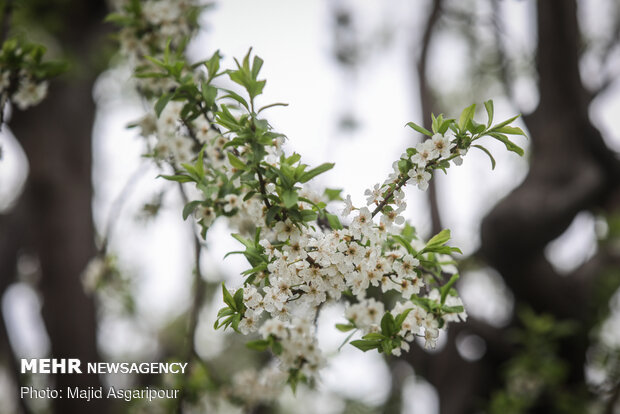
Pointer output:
x,y
571,171
427,102
54,213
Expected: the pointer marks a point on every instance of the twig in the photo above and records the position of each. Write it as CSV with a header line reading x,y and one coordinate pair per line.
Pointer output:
x,y
427,102
117,206
389,195
200,290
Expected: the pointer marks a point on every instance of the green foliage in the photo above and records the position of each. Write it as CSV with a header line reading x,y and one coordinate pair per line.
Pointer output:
x,y
537,372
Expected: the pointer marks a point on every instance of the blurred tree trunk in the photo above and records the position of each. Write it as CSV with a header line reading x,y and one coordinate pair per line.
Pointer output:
x,y
53,219
571,170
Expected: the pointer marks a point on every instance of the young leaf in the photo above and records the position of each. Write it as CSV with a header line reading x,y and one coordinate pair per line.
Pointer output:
x,y
290,198
388,327
258,345
486,151
189,208
235,162
344,327
228,299
488,105
333,194
307,176
466,116
511,146
446,288
366,345
334,221
510,130
420,129
162,102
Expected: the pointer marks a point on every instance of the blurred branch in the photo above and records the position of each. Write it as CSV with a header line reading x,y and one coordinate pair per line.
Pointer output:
x,y
427,102
117,206
612,74
503,62
462,384
7,14
200,292
571,170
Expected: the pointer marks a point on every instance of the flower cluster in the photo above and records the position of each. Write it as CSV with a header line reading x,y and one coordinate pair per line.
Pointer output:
x,y
149,28
301,255
23,73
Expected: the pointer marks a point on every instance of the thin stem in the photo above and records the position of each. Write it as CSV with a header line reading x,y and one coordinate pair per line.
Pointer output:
x,y
117,206
389,195
200,292
263,190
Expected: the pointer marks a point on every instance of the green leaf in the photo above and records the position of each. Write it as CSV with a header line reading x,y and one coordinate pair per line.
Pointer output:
x,y
408,232
235,96
452,309
178,178
345,327
506,122
228,299
486,151
308,215
293,158
239,298
256,65
235,162
333,194
511,146
388,327
374,336
510,130
365,345
420,129
386,347
445,124
446,288
213,64
439,239
235,321
466,116
334,221
247,243
401,318
290,198
258,345
225,312
189,208
307,176
119,19
488,105
162,102
401,240
271,106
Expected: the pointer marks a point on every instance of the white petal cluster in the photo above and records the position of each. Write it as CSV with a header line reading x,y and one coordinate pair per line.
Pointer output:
x,y
258,386
29,92
159,22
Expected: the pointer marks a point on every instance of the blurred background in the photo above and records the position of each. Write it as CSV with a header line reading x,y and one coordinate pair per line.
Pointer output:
x,y
540,235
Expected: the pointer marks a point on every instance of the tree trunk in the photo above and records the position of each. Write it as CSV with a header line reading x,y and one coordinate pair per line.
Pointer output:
x,y
54,215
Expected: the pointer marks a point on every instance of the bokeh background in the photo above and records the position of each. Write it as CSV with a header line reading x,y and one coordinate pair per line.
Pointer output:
x,y
540,234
